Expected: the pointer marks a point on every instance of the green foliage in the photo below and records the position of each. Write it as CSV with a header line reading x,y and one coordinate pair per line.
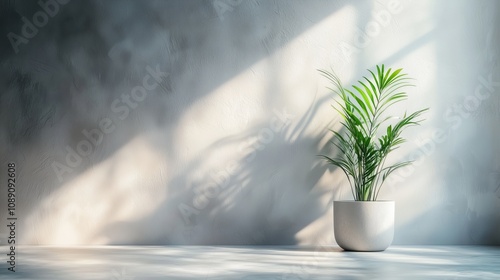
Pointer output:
x,y
362,150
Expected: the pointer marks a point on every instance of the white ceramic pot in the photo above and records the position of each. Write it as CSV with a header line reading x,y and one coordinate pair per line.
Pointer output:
x,y
363,225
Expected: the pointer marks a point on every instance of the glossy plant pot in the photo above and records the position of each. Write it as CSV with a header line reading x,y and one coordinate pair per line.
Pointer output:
x,y
366,226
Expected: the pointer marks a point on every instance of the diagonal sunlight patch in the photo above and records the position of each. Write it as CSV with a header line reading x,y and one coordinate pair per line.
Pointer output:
x,y
119,188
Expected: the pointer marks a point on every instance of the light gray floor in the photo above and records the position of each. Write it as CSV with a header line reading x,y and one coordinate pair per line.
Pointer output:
x,y
198,262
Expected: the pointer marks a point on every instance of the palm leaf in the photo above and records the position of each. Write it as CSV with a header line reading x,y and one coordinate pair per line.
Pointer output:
x,y
361,155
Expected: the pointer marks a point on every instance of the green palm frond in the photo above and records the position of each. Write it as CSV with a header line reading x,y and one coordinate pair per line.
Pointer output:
x,y
362,153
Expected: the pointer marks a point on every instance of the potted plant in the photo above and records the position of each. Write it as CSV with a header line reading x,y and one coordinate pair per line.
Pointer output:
x,y
367,137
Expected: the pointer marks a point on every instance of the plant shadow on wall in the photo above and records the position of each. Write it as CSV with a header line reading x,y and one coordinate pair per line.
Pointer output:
x,y
264,196
86,57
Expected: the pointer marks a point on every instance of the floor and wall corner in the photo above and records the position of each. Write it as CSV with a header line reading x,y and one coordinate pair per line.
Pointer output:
x,y
179,139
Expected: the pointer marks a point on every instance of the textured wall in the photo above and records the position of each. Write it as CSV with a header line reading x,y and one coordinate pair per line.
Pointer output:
x,y
198,122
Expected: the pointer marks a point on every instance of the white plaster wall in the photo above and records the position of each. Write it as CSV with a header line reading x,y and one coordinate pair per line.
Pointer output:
x,y
223,150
